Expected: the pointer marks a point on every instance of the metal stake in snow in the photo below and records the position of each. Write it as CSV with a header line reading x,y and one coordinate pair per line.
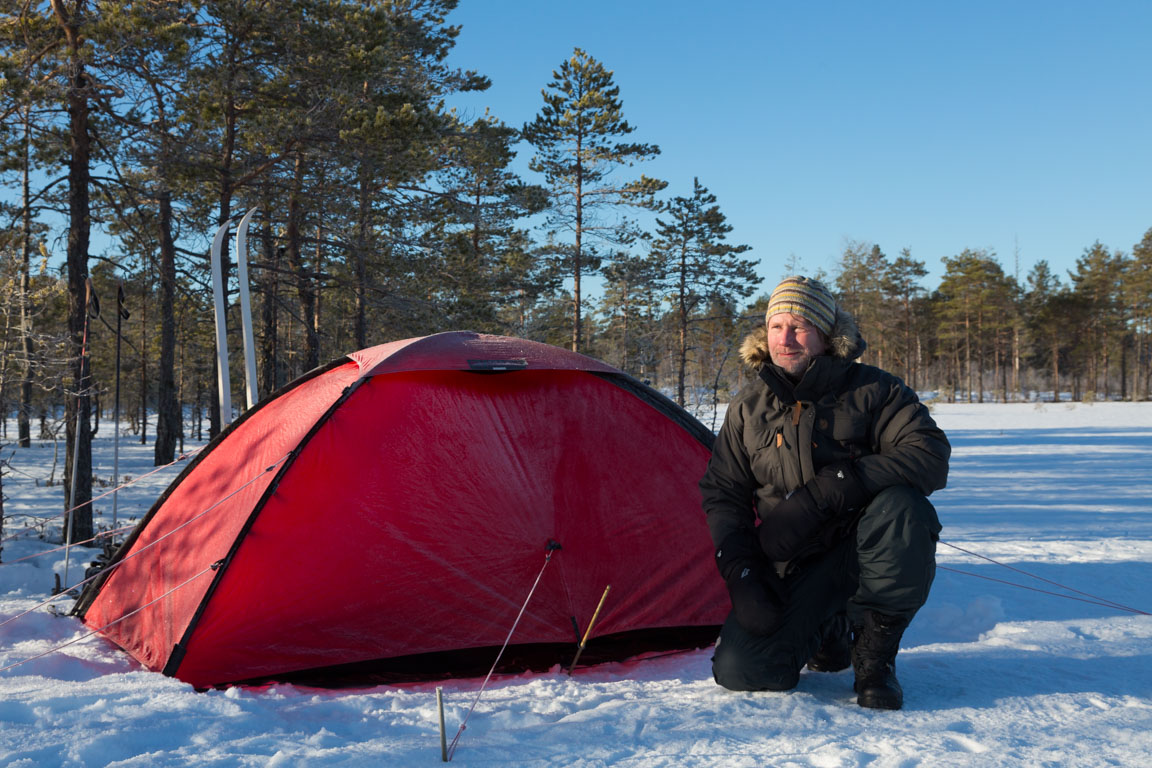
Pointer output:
x,y
246,308
553,545
218,293
443,739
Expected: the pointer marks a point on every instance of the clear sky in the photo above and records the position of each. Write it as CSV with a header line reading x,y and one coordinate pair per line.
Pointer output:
x,y
1020,127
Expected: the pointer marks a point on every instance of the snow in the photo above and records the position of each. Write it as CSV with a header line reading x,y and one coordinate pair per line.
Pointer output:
x,y
994,674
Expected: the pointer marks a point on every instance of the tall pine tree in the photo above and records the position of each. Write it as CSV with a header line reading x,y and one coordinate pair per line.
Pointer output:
x,y
576,137
699,266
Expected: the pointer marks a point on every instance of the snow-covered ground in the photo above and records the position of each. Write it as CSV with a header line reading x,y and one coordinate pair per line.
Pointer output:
x,y
994,674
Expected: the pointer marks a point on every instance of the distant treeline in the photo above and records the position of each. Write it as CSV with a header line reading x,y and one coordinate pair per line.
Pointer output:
x,y
131,131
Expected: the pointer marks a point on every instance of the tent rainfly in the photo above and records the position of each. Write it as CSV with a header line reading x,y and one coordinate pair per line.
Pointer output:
x,y
384,517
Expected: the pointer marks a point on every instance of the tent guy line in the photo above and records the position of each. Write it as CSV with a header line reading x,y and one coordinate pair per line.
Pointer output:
x,y
98,630
1095,598
553,547
1103,602
191,520
93,500
143,549
97,537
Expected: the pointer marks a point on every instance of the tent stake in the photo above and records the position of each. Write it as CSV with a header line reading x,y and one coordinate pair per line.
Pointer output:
x,y
587,632
552,547
443,735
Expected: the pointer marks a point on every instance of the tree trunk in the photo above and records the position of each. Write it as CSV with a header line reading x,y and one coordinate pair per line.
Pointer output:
x,y
304,286
144,352
578,254
361,256
1016,358
317,286
682,322
968,353
23,414
167,407
78,488
270,312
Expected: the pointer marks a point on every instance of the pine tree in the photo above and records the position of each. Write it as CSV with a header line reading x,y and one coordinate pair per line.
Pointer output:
x,y
576,140
860,285
473,224
69,49
1138,298
698,266
154,42
1097,282
1049,309
631,307
28,145
902,285
386,78
971,302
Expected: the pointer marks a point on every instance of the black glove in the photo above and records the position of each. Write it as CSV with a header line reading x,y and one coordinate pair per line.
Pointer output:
x,y
758,595
796,521
837,488
791,525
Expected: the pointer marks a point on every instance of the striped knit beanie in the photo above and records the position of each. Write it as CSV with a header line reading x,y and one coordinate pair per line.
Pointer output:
x,y
806,298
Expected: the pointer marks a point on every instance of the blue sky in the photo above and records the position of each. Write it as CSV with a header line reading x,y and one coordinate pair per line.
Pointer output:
x,y
1020,127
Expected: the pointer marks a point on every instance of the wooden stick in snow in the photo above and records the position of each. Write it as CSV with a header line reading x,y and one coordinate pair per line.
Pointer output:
x,y
587,632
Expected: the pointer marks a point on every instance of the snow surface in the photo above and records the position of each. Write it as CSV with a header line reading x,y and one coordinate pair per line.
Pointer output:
x,y
994,674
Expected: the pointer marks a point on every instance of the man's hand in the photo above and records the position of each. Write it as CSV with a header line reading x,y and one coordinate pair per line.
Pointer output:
x,y
757,593
795,522
838,489
791,525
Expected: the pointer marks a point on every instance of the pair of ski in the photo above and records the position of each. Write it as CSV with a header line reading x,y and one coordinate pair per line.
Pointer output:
x,y
220,295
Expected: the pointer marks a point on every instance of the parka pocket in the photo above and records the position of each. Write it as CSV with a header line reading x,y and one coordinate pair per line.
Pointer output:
x,y
767,451
850,427
851,431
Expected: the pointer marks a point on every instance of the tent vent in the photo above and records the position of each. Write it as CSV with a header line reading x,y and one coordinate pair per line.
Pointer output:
x,y
509,364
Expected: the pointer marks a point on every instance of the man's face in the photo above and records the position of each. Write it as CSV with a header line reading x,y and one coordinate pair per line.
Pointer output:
x,y
793,342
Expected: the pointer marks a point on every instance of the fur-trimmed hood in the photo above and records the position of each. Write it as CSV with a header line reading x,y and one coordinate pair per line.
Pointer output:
x,y
844,342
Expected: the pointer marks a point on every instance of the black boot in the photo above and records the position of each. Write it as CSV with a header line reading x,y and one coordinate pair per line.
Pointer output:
x,y
835,652
874,648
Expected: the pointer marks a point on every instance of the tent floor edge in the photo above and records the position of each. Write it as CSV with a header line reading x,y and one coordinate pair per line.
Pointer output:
x,y
475,662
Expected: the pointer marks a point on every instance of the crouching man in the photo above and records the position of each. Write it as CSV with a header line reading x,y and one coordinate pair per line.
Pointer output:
x,y
837,460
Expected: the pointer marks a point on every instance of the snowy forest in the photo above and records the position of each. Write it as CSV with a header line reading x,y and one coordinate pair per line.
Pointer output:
x,y
132,131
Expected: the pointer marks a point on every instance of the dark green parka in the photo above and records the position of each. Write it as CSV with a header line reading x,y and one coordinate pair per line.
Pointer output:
x,y
777,434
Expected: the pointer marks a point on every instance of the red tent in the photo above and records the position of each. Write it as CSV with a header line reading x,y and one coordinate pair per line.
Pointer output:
x,y
388,513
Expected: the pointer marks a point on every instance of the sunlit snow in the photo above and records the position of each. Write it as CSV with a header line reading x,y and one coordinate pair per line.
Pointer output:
x,y
995,674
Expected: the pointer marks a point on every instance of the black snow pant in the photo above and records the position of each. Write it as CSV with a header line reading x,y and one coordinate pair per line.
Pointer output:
x,y
887,567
